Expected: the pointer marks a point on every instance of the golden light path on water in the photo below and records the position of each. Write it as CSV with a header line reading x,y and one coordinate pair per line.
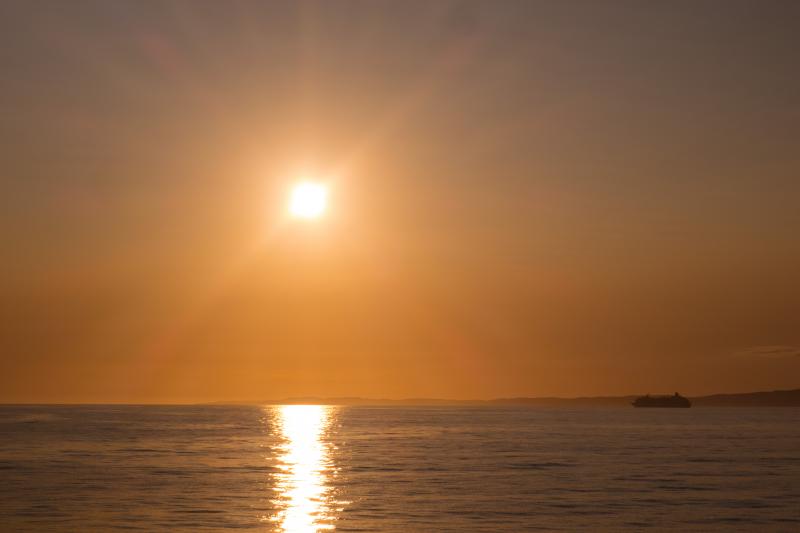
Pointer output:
x,y
303,485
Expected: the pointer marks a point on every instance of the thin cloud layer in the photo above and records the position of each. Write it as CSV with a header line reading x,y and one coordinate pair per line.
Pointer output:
x,y
770,352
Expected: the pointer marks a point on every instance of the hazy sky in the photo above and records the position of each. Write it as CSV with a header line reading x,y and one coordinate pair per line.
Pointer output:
x,y
526,198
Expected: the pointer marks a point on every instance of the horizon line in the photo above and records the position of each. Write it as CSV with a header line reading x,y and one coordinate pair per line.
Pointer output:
x,y
338,400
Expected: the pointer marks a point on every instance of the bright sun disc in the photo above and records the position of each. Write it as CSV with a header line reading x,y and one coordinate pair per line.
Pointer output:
x,y
308,200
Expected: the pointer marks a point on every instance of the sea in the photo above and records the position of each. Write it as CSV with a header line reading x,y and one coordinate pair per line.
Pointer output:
x,y
303,468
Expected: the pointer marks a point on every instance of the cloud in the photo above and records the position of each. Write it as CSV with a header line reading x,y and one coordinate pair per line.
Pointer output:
x,y
770,352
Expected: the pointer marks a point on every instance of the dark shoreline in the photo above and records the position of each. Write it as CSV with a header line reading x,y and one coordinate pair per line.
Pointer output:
x,y
779,398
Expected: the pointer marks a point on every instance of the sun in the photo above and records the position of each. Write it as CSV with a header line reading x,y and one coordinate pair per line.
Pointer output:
x,y
308,200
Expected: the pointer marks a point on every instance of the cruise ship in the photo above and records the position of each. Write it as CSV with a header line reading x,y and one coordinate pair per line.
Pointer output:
x,y
676,400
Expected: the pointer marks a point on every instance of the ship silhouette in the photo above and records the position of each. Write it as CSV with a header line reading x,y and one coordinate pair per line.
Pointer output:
x,y
676,400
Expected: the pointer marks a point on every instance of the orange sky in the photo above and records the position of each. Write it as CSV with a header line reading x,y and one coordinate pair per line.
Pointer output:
x,y
526,198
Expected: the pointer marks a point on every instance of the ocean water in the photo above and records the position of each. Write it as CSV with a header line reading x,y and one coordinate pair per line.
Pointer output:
x,y
315,468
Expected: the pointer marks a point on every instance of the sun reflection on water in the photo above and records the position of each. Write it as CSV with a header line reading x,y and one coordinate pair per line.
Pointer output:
x,y
303,489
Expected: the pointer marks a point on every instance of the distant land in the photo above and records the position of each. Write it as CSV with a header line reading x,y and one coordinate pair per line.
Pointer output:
x,y
778,398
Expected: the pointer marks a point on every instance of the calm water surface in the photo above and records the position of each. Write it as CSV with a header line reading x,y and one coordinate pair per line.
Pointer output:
x,y
314,468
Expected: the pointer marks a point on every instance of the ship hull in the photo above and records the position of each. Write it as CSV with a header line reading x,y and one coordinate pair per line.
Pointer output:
x,y
662,406
662,402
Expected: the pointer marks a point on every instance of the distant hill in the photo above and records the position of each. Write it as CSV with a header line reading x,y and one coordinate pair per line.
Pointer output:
x,y
567,402
348,400
778,398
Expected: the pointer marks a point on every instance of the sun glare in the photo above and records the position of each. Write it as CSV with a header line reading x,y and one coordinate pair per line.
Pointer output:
x,y
303,492
308,200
